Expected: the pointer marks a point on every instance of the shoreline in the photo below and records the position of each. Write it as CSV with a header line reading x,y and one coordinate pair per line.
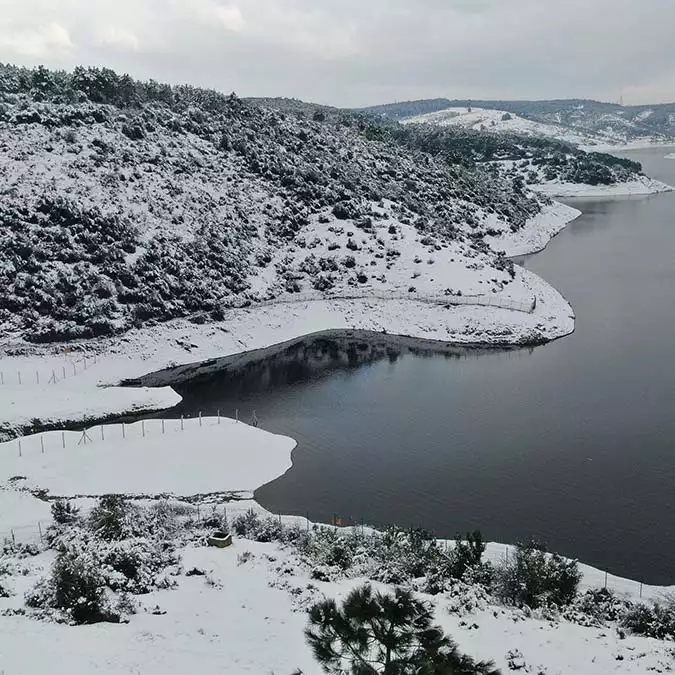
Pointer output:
x,y
91,393
636,145
643,187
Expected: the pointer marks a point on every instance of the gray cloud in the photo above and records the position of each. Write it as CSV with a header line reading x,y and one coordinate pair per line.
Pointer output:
x,y
357,52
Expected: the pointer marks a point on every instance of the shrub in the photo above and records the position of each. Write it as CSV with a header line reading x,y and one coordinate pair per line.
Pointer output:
x,y
536,578
377,633
75,586
466,554
655,621
252,526
64,513
112,518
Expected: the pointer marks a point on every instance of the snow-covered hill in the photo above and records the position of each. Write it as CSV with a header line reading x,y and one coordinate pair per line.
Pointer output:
x,y
590,124
484,119
125,203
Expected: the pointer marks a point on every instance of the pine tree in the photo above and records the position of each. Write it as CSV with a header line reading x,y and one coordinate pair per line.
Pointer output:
x,y
379,634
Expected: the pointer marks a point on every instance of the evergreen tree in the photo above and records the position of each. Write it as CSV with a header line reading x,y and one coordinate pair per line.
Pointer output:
x,y
374,633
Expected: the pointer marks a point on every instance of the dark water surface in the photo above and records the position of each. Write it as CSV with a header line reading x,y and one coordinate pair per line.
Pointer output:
x,y
573,442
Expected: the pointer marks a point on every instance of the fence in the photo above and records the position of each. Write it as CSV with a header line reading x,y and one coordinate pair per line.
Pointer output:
x,y
527,306
25,534
495,553
58,374
62,439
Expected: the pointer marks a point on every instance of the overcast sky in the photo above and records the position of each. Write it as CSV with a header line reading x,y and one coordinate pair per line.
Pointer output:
x,y
361,52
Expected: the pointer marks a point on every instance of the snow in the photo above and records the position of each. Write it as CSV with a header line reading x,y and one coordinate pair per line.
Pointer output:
x,y
196,456
248,617
85,394
670,156
641,186
58,388
537,233
494,121
21,512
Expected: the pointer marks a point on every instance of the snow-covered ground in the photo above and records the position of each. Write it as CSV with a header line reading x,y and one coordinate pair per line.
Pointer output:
x,y
154,457
670,156
538,232
609,139
483,119
643,185
247,615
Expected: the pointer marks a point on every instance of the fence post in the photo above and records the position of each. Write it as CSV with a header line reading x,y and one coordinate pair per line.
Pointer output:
x,y
64,372
124,431
19,447
236,415
640,589
102,433
2,377
37,377
605,578
182,423
218,415
40,531
42,444
143,427
19,374
13,537
63,439
200,418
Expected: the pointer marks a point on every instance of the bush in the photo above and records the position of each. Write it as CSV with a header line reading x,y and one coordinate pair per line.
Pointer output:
x,y
64,513
112,518
252,526
466,554
655,621
75,586
536,578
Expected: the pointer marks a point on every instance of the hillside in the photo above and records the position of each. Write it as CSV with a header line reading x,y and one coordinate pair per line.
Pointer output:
x,y
583,122
126,203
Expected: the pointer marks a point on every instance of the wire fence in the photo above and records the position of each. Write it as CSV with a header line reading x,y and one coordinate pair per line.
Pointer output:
x,y
63,371
42,443
526,306
495,553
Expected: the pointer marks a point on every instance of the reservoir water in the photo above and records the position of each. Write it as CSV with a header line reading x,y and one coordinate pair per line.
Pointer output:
x,y
572,443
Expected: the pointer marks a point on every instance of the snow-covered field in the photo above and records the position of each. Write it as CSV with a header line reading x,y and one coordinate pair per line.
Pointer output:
x,y
154,457
670,156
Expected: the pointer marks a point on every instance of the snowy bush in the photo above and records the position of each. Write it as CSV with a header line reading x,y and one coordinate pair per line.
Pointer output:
x,y
75,586
252,526
113,518
63,512
536,578
466,554
655,621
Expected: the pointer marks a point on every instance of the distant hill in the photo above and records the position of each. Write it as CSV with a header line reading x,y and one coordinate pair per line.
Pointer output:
x,y
586,122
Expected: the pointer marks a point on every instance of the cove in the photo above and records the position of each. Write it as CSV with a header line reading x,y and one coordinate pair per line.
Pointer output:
x,y
572,443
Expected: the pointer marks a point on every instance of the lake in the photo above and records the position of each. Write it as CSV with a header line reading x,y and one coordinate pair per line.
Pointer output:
x,y
572,443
